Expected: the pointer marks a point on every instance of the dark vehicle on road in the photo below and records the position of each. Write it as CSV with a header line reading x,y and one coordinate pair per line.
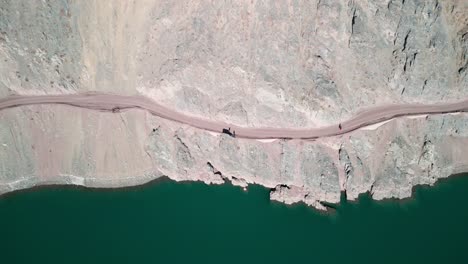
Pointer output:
x,y
228,132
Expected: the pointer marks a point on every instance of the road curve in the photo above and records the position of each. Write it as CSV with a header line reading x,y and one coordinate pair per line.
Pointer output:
x,y
114,103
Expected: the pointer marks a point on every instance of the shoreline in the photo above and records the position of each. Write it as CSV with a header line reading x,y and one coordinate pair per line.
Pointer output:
x,y
330,207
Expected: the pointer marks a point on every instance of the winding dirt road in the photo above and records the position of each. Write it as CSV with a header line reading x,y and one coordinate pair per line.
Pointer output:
x,y
116,103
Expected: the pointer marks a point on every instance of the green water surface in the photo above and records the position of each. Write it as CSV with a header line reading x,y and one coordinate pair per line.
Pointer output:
x,y
168,222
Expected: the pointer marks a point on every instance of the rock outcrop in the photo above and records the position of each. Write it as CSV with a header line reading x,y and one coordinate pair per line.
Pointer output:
x,y
249,63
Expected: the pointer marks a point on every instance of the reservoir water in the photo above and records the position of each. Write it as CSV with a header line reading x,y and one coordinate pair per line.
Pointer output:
x,y
168,222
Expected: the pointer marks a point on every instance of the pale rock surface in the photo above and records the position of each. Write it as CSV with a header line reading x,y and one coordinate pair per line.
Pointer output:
x,y
250,63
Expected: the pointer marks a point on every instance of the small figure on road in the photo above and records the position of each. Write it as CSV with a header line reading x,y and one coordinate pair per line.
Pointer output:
x,y
339,126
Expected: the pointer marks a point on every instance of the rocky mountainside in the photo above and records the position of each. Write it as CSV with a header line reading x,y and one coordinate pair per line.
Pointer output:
x,y
292,64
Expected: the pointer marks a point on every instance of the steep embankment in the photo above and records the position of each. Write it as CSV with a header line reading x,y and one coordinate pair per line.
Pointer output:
x,y
184,148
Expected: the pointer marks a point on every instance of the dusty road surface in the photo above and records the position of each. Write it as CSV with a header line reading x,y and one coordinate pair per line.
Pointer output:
x,y
117,103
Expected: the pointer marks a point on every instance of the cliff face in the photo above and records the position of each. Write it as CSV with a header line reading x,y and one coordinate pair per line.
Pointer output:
x,y
250,63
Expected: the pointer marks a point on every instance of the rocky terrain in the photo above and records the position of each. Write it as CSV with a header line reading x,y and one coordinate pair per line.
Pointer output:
x,y
292,64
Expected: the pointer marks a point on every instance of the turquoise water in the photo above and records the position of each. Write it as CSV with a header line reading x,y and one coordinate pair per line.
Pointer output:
x,y
168,222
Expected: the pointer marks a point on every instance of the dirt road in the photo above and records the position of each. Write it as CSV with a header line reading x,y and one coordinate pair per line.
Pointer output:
x,y
117,103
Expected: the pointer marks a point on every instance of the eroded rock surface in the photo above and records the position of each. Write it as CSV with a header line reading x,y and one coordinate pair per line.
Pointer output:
x,y
250,63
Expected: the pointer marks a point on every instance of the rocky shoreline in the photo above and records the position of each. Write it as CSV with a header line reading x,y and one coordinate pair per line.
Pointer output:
x,y
386,161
